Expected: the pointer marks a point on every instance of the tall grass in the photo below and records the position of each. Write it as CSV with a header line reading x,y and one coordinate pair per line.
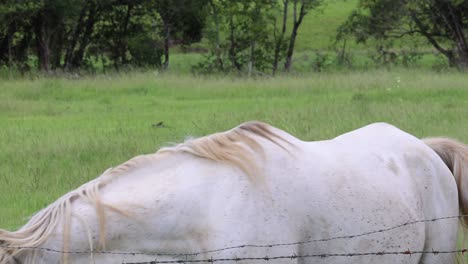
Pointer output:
x,y
56,134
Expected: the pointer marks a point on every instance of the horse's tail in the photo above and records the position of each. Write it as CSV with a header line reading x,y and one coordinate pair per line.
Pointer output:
x,y
455,156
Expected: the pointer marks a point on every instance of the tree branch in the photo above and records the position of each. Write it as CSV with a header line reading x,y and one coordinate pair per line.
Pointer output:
x,y
423,31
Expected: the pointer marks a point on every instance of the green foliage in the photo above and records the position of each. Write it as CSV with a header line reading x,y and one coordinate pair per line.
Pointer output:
x,y
186,18
71,34
249,36
145,51
442,23
241,36
240,33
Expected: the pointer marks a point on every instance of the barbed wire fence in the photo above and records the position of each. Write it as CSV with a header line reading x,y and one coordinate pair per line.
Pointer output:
x,y
305,256
186,257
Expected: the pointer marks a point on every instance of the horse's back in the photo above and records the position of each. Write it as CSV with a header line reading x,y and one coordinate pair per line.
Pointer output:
x,y
370,179
367,180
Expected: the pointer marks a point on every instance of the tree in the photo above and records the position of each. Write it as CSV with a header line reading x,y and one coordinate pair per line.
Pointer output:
x,y
443,23
72,34
16,31
300,10
255,34
40,26
81,29
279,36
185,18
239,32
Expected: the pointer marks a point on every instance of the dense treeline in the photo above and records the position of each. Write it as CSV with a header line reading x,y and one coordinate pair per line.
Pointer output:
x,y
71,34
246,36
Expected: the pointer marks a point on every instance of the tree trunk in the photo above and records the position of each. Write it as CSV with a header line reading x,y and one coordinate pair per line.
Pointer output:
x,y
290,51
80,24
4,47
167,36
292,40
122,44
86,37
57,45
42,43
10,58
21,50
280,39
252,58
462,46
447,53
6,44
232,46
463,59
219,60
11,32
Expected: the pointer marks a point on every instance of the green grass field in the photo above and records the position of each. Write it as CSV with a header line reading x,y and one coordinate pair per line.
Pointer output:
x,y
56,134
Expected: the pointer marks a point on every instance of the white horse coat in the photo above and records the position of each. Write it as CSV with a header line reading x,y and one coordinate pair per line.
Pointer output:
x,y
257,185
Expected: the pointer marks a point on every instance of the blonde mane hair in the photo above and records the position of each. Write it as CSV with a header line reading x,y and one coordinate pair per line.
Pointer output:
x,y
235,147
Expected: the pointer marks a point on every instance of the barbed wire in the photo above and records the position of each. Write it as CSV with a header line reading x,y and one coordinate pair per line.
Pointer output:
x,y
305,256
334,238
382,230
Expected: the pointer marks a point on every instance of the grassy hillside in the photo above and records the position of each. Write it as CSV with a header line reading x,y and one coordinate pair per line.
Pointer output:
x,y
318,30
58,133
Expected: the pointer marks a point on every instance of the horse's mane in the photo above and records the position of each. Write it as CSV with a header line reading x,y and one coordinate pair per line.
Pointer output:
x,y
235,147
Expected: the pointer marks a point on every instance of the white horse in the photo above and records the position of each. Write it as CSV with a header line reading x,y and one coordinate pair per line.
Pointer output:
x,y
256,193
